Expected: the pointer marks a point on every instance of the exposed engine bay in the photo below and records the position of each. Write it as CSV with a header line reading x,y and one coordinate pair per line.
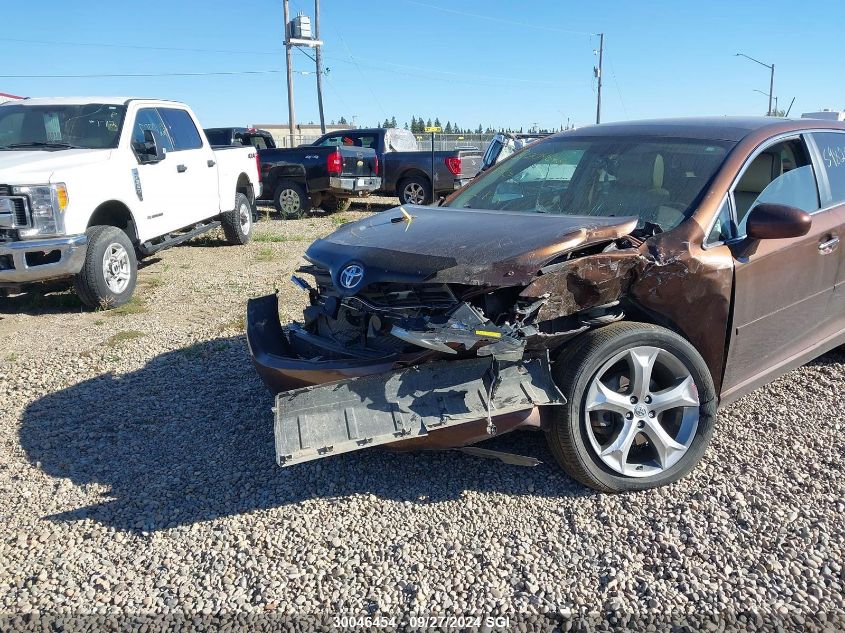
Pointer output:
x,y
402,320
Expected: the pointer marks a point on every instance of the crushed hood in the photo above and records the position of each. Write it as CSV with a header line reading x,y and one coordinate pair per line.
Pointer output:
x,y
21,167
468,246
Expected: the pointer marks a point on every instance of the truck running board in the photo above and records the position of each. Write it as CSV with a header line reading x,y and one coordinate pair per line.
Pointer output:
x,y
350,415
172,239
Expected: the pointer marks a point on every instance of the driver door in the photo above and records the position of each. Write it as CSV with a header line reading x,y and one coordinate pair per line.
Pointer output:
x,y
782,287
153,181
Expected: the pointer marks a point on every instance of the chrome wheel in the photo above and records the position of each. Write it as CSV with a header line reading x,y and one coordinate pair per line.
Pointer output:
x,y
414,193
245,217
642,411
117,270
289,202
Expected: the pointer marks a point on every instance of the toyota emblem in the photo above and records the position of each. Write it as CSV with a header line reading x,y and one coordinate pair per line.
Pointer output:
x,y
351,276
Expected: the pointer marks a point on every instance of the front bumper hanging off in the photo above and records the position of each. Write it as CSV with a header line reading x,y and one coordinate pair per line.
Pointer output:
x,y
367,403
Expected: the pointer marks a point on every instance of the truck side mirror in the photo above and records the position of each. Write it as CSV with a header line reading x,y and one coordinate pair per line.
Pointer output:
x,y
150,151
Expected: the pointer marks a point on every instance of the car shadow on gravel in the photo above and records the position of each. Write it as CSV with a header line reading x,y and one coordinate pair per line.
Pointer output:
x,y
188,438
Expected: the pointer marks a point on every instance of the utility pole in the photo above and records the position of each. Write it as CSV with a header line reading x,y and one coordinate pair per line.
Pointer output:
x,y
597,71
291,115
317,56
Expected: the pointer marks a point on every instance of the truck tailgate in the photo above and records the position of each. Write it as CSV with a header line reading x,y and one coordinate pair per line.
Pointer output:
x,y
358,161
470,163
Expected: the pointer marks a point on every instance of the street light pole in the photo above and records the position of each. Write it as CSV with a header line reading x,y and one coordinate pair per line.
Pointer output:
x,y
771,67
319,62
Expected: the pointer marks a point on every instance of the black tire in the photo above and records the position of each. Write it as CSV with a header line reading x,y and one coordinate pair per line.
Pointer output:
x,y
295,193
237,223
332,204
574,370
90,283
409,190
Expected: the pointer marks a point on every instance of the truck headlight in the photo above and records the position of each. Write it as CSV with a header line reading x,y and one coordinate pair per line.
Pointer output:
x,y
47,204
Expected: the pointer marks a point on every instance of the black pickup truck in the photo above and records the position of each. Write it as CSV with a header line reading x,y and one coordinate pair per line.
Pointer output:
x,y
299,179
405,169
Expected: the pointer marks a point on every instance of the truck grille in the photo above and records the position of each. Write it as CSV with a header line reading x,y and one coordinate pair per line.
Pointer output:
x,y
19,214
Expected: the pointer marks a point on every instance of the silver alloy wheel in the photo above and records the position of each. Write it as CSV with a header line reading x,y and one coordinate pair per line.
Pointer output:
x,y
116,268
642,411
289,201
245,217
414,193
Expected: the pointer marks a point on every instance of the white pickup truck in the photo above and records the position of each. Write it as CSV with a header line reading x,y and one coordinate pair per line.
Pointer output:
x,y
90,184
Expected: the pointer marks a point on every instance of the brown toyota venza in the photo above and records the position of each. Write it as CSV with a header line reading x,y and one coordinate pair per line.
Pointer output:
x,y
613,285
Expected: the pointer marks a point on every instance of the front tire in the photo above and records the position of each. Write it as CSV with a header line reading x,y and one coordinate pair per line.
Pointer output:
x,y
237,224
110,271
290,200
640,410
414,190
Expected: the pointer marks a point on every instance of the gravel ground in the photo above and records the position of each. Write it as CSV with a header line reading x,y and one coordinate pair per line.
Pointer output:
x,y
137,478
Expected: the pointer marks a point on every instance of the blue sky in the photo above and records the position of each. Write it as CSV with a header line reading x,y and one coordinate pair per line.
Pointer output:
x,y
493,62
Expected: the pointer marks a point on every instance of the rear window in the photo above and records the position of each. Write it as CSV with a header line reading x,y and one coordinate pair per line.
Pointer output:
x,y
219,137
181,128
832,148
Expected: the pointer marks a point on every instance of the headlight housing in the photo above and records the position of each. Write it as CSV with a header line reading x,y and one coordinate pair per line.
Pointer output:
x,y
47,204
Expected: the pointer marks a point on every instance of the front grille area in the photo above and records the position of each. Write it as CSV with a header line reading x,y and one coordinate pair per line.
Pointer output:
x,y
19,212
20,217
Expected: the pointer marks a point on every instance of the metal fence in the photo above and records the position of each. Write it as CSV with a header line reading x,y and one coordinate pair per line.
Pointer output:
x,y
441,141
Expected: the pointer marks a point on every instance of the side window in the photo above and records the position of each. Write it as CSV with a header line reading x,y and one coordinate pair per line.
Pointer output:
x,y
721,231
832,148
332,141
365,140
781,174
149,119
182,129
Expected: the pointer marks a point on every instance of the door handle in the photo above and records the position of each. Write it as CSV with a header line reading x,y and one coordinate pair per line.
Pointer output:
x,y
828,246
210,163
181,168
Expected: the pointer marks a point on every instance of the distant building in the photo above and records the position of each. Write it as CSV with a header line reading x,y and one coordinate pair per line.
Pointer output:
x,y
305,133
4,97
827,115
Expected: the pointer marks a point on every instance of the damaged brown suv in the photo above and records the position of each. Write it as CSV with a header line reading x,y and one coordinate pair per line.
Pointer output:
x,y
613,285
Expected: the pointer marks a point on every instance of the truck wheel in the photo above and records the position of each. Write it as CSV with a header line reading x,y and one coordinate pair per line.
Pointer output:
x,y
290,200
108,276
640,408
414,190
332,204
237,224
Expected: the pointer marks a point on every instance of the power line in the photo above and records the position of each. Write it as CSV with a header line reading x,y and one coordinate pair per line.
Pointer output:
x,y
138,47
173,74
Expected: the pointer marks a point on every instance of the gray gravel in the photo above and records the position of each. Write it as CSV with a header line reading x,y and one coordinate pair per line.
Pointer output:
x,y
137,477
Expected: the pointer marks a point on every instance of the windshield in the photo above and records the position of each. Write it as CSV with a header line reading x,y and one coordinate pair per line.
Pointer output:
x,y
657,179
89,126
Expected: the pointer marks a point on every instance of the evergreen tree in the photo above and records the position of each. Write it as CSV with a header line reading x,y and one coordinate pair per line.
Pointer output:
x,y
343,121
406,125
437,122
393,121
448,128
428,124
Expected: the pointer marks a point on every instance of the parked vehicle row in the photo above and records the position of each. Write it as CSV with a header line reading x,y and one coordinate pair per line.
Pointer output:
x,y
612,285
406,171
89,185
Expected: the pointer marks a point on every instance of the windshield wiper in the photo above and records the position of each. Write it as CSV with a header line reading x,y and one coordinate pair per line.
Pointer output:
x,y
42,144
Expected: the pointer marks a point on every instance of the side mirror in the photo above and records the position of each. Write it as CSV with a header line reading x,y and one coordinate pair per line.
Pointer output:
x,y
769,221
150,151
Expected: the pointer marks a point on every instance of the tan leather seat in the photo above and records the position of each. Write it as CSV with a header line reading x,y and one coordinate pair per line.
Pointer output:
x,y
756,178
